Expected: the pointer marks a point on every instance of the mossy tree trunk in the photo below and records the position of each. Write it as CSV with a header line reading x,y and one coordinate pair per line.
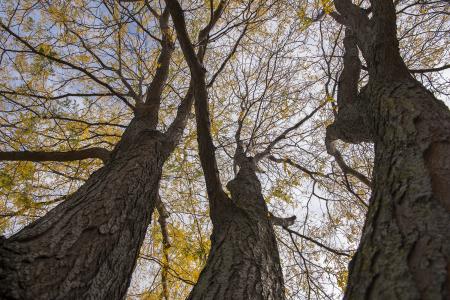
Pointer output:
x,y
404,251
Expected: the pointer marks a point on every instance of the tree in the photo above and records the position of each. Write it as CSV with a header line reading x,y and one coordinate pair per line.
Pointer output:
x,y
268,65
243,248
404,247
87,246
243,261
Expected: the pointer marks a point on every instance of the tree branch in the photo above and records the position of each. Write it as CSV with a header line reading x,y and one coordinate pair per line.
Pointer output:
x,y
216,194
282,136
173,273
332,150
40,156
420,71
349,78
59,96
337,252
350,124
66,63
288,161
175,130
157,85
230,55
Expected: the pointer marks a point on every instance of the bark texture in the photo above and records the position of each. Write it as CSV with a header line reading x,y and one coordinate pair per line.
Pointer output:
x,y
243,262
86,247
405,247
404,251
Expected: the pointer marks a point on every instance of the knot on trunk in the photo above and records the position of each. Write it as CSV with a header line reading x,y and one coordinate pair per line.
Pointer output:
x,y
245,191
244,188
352,124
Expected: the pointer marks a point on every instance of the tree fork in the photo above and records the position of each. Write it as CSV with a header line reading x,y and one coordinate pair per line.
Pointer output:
x,y
243,262
404,252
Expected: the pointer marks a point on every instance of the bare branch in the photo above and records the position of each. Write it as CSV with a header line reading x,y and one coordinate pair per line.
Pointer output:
x,y
59,96
173,272
283,135
337,252
230,55
332,150
295,165
66,63
40,156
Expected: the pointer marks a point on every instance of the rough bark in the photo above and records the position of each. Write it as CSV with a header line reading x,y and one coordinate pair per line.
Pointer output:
x,y
243,262
404,251
86,247
405,248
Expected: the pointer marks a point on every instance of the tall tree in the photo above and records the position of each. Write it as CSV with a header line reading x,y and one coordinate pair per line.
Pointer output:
x,y
243,262
87,246
405,245
59,124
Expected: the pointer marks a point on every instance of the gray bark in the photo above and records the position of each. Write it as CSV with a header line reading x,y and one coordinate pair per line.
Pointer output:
x,y
404,251
405,248
87,246
243,262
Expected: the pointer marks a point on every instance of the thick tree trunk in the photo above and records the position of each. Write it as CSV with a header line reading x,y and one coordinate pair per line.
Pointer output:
x,y
243,262
86,247
405,248
404,251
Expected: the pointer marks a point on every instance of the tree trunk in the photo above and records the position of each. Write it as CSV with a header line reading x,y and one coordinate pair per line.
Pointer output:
x,y
86,247
404,251
243,262
405,248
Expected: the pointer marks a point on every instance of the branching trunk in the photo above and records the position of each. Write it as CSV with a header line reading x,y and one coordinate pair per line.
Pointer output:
x,y
404,251
243,262
86,247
